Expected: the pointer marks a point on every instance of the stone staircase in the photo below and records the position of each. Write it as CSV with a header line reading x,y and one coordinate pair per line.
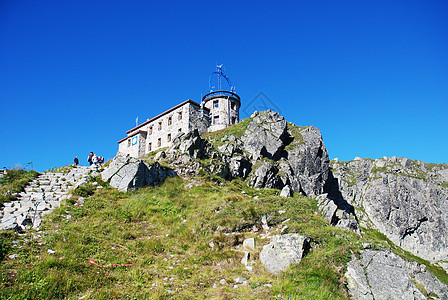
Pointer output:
x,y
40,197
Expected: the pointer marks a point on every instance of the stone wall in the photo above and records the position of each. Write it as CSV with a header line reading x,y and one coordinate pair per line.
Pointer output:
x,y
160,132
224,112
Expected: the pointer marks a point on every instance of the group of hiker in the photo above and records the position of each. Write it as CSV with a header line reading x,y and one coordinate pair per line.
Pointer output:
x,y
92,159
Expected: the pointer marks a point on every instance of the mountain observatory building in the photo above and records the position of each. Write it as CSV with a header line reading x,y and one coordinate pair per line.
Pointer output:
x,y
218,109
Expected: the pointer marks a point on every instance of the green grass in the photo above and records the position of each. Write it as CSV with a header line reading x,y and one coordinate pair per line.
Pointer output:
x,y
14,182
164,232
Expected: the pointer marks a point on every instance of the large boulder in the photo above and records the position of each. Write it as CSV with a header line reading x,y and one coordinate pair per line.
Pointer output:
x,y
384,275
283,251
405,200
191,144
309,161
266,135
128,173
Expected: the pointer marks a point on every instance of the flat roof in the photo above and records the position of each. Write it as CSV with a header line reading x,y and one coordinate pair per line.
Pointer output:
x,y
164,113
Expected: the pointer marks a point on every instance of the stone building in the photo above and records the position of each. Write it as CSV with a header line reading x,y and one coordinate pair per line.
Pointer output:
x,y
219,109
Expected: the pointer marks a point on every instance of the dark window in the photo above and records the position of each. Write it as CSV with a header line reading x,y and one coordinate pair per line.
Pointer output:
x,y
170,121
149,147
169,137
216,120
160,125
216,103
159,142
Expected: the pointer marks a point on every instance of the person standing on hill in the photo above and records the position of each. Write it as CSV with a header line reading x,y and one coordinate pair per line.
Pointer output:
x,y
76,160
89,158
95,159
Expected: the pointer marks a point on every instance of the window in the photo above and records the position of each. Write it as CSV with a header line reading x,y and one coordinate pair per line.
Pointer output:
x,y
216,120
160,125
180,130
149,147
180,116
216,103
232,105
233,120
170,121
159,142
129,143
150,130
169,137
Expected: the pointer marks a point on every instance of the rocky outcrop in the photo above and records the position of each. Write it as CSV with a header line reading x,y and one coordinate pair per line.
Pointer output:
x,y
283,251
269,153
405,200
40,197
127,173
266,136
384,275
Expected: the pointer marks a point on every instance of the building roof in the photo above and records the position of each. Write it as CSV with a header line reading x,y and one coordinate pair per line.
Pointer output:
x,y
131,135
164,113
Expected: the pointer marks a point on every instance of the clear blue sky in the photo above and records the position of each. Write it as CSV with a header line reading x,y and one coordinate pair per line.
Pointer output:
x,y
74,75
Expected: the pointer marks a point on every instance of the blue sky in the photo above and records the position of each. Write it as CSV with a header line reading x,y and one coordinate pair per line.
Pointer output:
x,y
75,75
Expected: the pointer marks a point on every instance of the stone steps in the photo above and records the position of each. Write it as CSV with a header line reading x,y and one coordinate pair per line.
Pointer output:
x,y
40,197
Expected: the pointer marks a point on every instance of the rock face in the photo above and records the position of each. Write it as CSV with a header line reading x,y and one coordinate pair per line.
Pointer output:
x,y
269,152
283,251
405,200
41,196
128,173
384,275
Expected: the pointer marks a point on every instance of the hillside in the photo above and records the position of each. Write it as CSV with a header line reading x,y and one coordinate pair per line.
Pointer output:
x,y
189,236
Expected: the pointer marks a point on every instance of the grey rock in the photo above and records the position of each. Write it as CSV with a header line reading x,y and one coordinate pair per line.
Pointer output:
x,y
405,200
265,176
132,173
284,250
266,135
309,162
384,275
286,192
249,243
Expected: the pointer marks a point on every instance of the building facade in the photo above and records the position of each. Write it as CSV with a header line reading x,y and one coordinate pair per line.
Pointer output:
x,y
218,110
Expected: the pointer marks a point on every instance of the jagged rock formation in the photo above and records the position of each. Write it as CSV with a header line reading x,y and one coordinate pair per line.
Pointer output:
x,y
405,200
128,173
40,197
270,153
384,275
283,251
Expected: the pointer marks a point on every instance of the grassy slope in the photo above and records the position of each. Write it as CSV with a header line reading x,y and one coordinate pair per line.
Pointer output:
x,y
165,233
14,181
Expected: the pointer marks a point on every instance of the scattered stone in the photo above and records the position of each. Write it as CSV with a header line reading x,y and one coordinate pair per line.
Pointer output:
x,y
287,192
245,258
249,243
240,280
13,256
51,251
284,250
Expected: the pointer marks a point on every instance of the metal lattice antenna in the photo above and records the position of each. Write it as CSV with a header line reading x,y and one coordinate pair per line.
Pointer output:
x,y
220,74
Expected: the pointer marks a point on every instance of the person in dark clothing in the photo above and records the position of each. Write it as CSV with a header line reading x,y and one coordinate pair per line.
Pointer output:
x,y
76,161
89,158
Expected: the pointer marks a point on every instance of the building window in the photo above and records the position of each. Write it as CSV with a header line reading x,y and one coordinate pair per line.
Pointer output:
x,y
169,137
216,120
232,105
180,116
160,125
150,130
233,120
216,103
149,147
129,143
170,121
159,142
